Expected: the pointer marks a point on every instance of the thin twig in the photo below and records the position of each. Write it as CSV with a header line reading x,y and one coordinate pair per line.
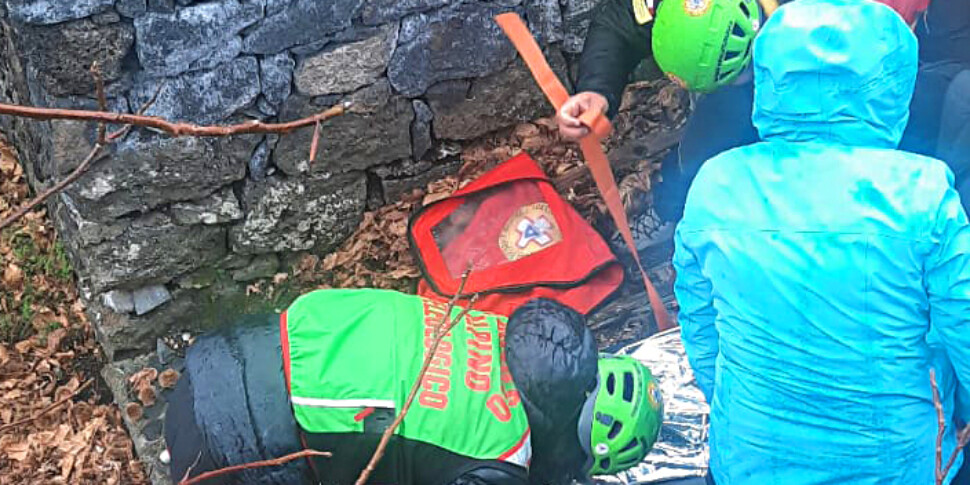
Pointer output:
x,y
314,143
74,175
386,437
962,438
102,100
444,325
941,427
256,464
48,408
175,129
121,132
188,471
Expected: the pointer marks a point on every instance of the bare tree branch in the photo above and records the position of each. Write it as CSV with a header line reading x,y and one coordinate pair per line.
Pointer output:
x,y
188,471
102,100
962,437
121,132
175,129
74,175
256,464
139,119
82,168
441,330
941,427
314,143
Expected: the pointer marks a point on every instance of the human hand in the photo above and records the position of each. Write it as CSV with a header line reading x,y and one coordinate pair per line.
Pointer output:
x,y
570,127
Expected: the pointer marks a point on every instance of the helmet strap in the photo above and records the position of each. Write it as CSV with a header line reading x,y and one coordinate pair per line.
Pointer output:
x,y
584,426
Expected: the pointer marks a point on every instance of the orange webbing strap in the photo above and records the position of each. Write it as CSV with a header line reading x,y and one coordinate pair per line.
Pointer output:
x,y
599,165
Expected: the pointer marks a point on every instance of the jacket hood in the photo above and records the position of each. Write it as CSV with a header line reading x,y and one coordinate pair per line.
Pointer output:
x,y
839,71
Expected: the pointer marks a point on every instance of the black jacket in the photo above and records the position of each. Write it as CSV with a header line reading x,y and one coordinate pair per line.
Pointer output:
x,y
944,32
614,46
616,43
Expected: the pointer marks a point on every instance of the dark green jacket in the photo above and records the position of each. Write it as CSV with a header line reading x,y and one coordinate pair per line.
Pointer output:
x,y
617,42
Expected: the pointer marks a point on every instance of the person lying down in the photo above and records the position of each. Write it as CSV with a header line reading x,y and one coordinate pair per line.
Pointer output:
x,y
504,401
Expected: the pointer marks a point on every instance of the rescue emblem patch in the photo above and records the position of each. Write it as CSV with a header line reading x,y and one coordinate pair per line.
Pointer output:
x,y
531,229
697,7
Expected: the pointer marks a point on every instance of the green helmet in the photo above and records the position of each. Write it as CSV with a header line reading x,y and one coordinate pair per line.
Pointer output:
x,y
704,44
621,419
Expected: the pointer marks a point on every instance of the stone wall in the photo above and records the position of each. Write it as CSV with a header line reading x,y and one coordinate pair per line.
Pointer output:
x,y
166,232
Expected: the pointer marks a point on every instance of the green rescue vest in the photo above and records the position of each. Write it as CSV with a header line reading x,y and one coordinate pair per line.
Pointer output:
x,y
346,352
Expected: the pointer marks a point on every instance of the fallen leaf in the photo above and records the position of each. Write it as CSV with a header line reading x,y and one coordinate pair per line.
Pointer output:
x,y
23,346
55,338
547,123
66,390
147,396
142,377
134,411
13,276
407,272
168,378
17,451
434,197
526,130
8,165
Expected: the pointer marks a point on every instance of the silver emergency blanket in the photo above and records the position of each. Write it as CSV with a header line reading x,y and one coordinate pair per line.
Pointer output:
x,y
681,451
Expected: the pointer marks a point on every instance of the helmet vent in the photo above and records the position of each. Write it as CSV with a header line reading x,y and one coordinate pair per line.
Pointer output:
x,y
630,446
605,464
611,383
604,419
628,386
744,9
738,31
615,430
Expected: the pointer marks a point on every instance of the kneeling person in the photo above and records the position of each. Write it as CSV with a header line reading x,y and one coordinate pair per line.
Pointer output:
x,y
503,401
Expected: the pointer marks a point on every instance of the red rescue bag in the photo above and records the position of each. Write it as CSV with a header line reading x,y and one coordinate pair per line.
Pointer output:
x,y
521,240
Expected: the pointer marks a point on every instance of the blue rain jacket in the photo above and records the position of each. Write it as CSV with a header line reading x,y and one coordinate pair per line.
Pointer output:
x,y
812,266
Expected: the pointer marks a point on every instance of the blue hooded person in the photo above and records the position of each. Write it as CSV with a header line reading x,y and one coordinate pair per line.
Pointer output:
x,y
822,273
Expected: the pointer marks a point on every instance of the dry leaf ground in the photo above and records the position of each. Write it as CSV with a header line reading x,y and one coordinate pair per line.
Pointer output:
x,y
47,352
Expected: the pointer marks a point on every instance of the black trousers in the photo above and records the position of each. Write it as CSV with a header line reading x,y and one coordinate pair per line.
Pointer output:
x,y
939,126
